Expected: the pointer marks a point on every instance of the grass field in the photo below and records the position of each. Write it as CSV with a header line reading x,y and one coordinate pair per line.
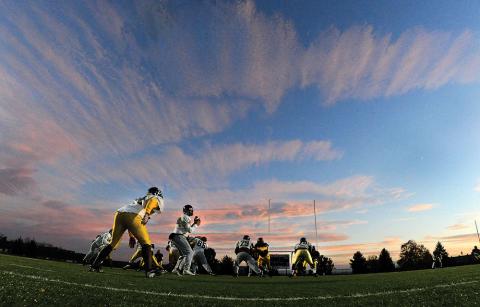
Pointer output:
x,y
33,282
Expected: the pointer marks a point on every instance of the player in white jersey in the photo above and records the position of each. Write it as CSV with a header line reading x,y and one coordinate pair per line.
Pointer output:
x,y
97,244
302,253
183,227
243,249
134,217
199,246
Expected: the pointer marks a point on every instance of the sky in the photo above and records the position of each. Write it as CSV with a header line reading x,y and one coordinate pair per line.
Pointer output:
x,y
370,108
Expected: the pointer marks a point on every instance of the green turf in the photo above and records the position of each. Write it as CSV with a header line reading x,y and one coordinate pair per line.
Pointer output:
x,y
27,282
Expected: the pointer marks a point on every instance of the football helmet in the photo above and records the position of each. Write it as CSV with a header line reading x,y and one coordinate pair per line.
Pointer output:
x,y
246,237
303,239
155,191
188,210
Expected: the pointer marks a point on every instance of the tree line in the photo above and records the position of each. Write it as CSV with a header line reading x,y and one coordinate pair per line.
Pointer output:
x,y
31,248
413,256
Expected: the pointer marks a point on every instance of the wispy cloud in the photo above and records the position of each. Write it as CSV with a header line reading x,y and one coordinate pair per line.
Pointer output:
x,y
92,106
457,227
184,168
420,207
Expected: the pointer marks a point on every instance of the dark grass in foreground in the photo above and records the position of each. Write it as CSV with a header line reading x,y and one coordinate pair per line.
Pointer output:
x,y
27,282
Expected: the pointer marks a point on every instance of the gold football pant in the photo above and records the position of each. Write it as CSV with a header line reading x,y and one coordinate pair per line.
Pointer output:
x,y
302,255
132,222
264,261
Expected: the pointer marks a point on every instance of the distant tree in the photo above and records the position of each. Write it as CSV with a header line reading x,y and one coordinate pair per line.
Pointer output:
x,y
372,264
3,242
440,255
325,265
358,263
414,256
17,247
226,265
30,248
385,262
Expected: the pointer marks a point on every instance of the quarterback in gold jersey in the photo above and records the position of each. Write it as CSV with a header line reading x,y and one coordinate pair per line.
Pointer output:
x,y
134,217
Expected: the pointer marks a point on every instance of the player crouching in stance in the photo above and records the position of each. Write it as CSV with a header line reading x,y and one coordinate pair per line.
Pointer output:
x,y
179,235
133,217
97,244
263,261
137,255
302,253
244,250
199,246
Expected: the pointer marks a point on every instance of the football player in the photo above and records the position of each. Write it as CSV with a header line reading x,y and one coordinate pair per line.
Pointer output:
x,y
138,254
134,217
302,253
244,250
97,244
476,253
200,244
183,227
263,261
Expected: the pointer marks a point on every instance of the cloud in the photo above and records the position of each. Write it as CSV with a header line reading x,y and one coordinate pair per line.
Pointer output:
x,y
457,227
14,181
361,64
342,194
127,80
420,207
184,168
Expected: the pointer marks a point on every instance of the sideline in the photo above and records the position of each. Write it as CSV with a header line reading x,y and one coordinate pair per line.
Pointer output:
x,y
227,298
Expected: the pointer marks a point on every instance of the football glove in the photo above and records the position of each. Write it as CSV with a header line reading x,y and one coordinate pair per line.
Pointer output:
x,y
197,221
131,242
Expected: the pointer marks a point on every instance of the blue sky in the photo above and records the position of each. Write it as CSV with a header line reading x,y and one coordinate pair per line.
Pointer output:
x,y
369,108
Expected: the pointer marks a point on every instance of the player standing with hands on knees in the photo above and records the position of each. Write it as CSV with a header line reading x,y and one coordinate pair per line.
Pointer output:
x,y
134,217
179,235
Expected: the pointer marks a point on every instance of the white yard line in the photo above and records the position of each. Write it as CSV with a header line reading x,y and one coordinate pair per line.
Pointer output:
x,y
30,267
227,298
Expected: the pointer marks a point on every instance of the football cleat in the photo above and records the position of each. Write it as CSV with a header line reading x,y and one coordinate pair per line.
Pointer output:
x,y
150,274
188,272
128,266
96,270
176,271
212,274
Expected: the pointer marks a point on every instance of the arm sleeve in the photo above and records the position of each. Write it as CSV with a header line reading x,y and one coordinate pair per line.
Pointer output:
x,y
151,205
